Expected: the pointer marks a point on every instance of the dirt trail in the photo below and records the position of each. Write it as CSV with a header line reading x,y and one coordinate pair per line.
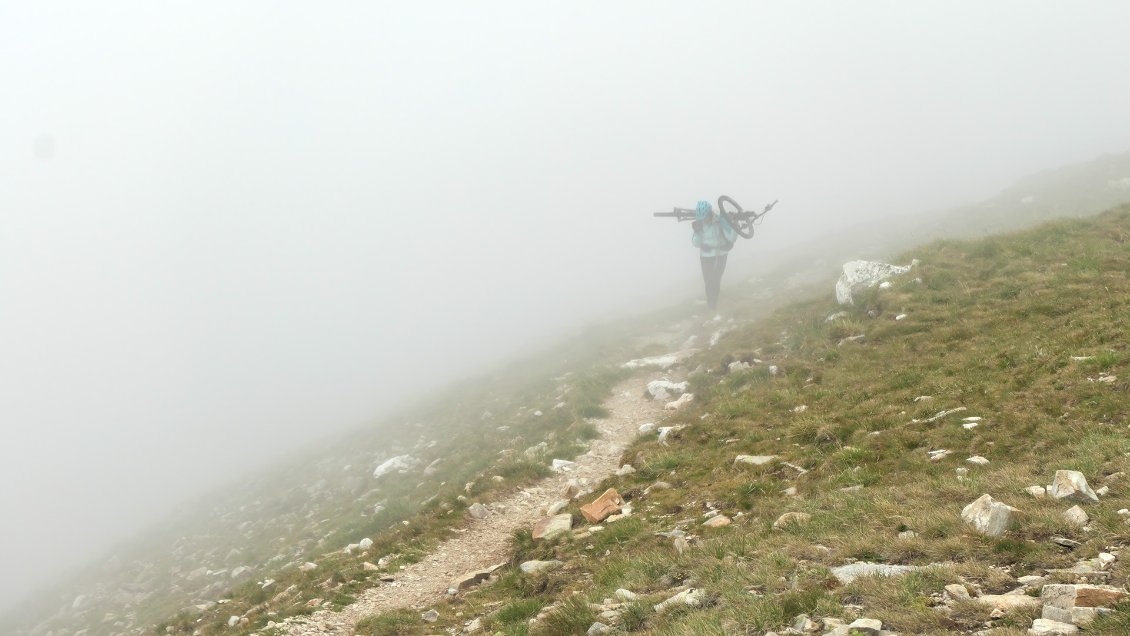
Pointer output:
x,y
486,542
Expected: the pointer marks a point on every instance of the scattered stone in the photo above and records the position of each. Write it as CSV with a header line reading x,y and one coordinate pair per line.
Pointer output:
x,y
977,459
1036,491
936,455
530,567
791,491
988,516
900,317
848,573
658,362
598,628
1072,485
573,488
693,597
664,389
365,543
647,428
369,567
755,460
562,465
306,567
683,400
400,464
1045,627
430,616
907,535
474,578
1103,491
474,627
625,470
626,596
478,511
791,518
666,431
1065,542
606,504
552,526
659,485
957,592
1076,515
555,508
717,521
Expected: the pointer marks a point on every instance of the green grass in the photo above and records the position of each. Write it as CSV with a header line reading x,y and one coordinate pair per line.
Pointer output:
x,y
1004,356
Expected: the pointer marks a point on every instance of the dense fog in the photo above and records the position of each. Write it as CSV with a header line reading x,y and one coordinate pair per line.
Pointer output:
x,y
228,229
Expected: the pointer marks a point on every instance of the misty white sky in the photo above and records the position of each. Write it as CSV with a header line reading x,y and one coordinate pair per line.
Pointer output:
x,y
230,228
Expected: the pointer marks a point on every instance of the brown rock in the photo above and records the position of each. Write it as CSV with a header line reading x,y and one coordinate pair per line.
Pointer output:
x,y
604,505
1095,596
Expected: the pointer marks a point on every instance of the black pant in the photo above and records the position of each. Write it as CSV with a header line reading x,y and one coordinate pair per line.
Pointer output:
x,y
712,268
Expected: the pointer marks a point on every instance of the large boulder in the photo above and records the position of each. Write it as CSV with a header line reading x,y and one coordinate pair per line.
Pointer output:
x,y
989,517
1072,486
863,274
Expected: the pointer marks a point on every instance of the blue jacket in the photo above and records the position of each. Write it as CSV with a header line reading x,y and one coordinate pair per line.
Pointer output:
x,y
714,238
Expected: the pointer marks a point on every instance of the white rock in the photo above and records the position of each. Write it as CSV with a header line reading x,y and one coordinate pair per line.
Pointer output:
x,y
561,465
988,516
885,284
625,470
900,317
400,463
233,621
693,597
647,428
659,362
683,400
862,274
1036,491
430,616
478,511
755,460
848,573
665,431
1076,515
626,596
977,459
664,389
1072,485
365,543
530,567
1045,627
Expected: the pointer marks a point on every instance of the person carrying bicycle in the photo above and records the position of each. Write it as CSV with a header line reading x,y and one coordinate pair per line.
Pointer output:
x,y
714,237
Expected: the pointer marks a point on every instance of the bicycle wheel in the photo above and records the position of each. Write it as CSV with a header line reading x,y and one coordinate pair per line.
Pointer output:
x,y
744,227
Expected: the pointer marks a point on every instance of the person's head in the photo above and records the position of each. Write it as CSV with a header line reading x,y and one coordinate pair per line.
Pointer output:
x,y
703,211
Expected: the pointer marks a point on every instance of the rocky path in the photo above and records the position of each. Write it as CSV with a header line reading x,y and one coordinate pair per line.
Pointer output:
x,y
486,542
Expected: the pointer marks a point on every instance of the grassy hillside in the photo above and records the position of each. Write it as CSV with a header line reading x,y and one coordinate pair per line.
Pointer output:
x,y
1023,330
992,326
